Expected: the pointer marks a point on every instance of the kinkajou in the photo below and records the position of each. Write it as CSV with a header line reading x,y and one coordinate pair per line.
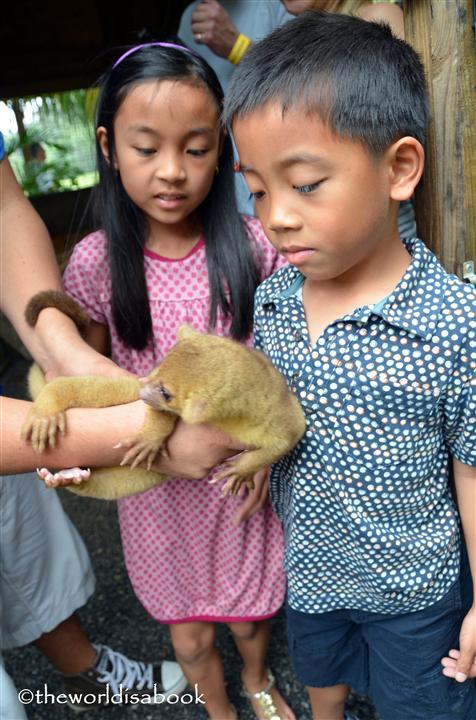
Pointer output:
x,y
203,379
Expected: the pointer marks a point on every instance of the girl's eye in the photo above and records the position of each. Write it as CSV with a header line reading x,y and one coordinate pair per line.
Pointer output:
x,y
145,151
304,189
198,153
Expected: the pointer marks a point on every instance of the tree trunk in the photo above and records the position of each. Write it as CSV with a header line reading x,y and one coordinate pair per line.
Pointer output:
x,y
445,202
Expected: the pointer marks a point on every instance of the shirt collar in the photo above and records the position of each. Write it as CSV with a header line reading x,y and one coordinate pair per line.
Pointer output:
x,y
413,305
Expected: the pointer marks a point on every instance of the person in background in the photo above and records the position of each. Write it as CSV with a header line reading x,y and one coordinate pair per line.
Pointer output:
x,y
222,32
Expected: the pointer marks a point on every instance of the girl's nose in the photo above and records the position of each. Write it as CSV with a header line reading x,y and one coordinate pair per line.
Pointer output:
x,y
170,169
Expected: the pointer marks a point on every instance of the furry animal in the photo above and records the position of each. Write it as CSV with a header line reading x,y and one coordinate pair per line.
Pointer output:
x,y
203,379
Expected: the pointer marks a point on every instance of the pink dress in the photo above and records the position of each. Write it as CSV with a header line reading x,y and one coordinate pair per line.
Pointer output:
x,y
185,558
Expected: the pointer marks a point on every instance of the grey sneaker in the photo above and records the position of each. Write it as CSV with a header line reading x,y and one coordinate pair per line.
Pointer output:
x,y
116,680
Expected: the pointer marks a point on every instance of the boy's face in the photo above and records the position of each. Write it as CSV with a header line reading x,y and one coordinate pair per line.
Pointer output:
x,y
322,200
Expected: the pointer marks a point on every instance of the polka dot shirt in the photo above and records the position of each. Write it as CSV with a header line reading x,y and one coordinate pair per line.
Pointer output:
x,y
389,391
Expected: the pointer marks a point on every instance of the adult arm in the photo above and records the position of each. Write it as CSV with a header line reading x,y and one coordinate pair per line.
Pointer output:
x,y
91,435
27,266
461,664
213,27
384,12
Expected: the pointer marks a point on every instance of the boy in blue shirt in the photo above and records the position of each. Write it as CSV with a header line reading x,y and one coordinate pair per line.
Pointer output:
x,y
329,114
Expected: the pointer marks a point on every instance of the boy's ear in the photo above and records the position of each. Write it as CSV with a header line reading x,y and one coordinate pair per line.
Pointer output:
x,y
406,162
101,134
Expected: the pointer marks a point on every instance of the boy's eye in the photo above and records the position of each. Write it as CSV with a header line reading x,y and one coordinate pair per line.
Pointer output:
x,y
145,151
198,152
258,195
304,189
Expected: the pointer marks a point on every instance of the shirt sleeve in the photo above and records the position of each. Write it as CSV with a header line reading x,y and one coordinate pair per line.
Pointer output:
x,y
460,404
268,258
2,147
86,276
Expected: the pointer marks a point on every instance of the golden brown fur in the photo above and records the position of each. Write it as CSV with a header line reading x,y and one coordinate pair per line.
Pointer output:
x,y
203,379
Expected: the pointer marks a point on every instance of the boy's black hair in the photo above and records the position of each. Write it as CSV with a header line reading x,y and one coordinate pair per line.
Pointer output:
x,y
362,81
232,271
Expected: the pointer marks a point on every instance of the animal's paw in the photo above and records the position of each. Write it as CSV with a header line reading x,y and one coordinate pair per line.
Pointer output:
x,y
62,478
41,430
141,450
234,480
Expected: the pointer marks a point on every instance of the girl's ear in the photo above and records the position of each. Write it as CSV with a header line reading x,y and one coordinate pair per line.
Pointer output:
x,y
101,134
406,162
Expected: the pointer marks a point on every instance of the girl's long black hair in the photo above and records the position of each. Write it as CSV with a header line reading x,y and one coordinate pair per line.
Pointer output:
x,y
232,269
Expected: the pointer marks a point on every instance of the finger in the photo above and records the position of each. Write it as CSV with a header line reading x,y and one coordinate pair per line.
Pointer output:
x,y
454,654
448,662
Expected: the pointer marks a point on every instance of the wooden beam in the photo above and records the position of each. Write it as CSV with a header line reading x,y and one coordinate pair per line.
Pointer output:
x,y
441,32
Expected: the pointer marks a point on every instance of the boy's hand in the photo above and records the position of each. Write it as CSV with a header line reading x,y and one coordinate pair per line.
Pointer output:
x,y
255,499
461,664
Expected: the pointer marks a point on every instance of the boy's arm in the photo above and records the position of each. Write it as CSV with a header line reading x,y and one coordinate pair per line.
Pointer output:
x,y
461,663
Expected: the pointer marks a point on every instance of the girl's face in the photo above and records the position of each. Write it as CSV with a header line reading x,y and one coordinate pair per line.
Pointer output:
x,y
167,143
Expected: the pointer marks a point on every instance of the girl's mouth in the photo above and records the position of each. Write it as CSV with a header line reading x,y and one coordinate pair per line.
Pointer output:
x,y
169,201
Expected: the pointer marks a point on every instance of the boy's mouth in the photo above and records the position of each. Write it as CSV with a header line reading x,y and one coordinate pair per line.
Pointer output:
x,y
296,254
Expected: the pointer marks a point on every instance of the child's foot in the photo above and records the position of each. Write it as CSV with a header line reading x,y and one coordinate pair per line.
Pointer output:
x,y
267,701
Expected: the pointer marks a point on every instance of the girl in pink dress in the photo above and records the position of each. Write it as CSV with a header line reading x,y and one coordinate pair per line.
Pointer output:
x,y
173,249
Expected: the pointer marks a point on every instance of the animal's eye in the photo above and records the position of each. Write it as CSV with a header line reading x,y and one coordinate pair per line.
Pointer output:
x,y
165,393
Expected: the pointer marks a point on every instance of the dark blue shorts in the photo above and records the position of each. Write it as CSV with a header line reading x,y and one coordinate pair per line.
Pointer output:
x,y
395,659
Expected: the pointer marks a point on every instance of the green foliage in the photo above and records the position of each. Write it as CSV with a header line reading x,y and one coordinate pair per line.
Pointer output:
x,y
62,125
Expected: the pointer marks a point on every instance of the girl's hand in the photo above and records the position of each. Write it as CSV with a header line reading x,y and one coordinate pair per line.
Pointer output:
x,y
461,664
255,499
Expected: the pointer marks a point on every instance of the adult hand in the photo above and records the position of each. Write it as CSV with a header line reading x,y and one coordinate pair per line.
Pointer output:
x,y
194,450
255,499
64,352
461,664
212,26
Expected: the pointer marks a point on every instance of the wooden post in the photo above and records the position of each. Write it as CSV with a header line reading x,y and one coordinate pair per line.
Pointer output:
x,y
441,31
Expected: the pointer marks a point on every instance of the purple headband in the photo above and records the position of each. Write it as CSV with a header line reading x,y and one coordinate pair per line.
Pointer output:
x,y
150,44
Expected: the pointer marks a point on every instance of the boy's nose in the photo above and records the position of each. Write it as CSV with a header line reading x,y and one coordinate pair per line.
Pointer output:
x,y
282,218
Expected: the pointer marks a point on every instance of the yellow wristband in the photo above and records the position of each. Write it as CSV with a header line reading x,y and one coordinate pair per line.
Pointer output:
x,y
239,48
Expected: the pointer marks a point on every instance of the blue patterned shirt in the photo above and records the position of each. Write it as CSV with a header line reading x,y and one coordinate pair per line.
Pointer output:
x,y
389,391
2,147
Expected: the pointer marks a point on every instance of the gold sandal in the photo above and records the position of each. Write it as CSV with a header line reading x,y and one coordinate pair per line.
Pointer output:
x,y
264,698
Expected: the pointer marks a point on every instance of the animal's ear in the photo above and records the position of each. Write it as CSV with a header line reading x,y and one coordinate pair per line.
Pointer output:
x,y
185,331
195,410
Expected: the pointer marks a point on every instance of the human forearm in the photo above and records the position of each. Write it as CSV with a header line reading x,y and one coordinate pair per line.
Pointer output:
x,y
89,439
388,13
465,484
91,435
460,663
27,263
